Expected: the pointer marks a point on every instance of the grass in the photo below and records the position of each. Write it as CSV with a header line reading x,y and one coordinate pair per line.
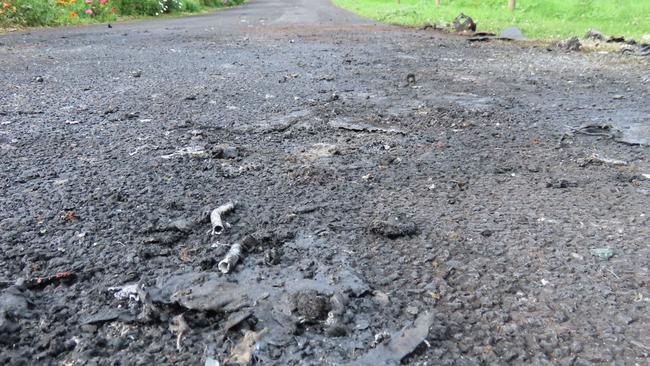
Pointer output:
x,y
536,18
31,13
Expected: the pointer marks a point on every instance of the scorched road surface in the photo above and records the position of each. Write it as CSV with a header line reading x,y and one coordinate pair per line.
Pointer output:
x,y
401,196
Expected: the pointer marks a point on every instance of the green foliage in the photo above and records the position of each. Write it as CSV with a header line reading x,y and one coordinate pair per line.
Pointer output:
x,y
218,3
212,3
537,18
59,12
138,7
191,6
27,12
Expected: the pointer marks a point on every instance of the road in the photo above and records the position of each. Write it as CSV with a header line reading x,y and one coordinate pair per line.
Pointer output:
x,y
490,199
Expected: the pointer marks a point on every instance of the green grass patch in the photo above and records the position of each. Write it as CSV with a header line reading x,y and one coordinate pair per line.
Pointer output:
x,y
31,13
536,18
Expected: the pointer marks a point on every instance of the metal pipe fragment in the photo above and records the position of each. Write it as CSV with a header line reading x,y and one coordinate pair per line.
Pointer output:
x,y
215,217
231,259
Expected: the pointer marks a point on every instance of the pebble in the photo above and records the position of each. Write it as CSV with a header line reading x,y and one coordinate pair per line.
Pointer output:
x,y
230,152
381,298
412,310
336,330
603,253
88,328
362,324
394,227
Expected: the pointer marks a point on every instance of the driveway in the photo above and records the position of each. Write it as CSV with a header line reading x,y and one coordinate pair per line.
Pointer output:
x,y
400,195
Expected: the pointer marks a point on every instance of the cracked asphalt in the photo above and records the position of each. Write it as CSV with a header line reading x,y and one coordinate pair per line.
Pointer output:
x,y
402,196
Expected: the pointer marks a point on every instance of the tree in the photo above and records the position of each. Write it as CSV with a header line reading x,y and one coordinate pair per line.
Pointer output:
x,y
512,4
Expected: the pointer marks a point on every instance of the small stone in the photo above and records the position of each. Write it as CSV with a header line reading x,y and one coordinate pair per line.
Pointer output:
x,y
362,324
136,74
544,282
595,35
249,243
381,336
211,362
224,152
616,39
230,152
410,78
602,253
394,227
336,330
561,184
88,328
412,310
272,256
577,256
570,44
310,305
381,298
182,225
70,344
512,33
487,233
464,23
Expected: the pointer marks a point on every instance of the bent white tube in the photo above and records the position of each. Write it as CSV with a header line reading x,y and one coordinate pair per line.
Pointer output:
x,y
597,158
231,259
215,217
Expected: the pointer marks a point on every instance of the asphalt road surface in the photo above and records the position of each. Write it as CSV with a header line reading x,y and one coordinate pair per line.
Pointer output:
x,y
400,195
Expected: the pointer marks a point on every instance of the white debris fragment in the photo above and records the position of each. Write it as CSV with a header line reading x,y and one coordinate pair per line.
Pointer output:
x,y
597,159
215,217
125,292
544,282
231,259
192,151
